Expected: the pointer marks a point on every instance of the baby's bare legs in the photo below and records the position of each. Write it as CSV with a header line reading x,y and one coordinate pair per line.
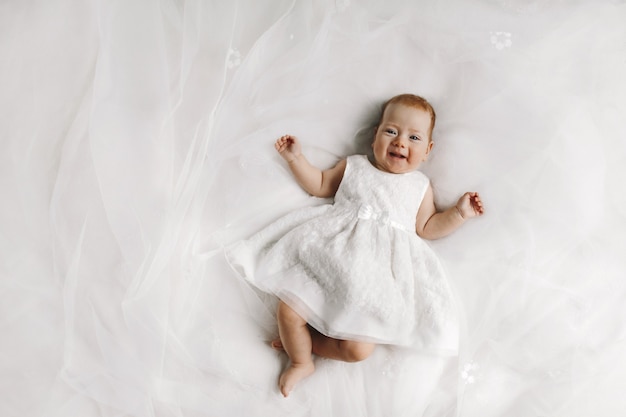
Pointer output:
x,y
296,340
327,347
341,350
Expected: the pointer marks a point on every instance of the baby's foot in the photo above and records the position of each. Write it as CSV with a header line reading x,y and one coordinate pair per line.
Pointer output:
x,y
292,375
276,344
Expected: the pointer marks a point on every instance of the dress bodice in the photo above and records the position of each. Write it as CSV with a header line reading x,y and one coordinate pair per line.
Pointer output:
x,y
387,197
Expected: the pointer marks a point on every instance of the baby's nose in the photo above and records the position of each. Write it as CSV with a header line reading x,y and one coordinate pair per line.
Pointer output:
x,y
399,141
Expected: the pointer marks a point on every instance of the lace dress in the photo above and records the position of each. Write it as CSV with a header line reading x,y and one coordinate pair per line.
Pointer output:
x,y
356,269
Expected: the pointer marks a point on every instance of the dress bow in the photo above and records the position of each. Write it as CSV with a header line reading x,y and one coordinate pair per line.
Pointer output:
x,y
367,212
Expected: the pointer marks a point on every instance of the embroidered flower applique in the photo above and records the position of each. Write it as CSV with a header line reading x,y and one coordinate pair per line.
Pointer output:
x,y
233,58
469,373
501,40
390,366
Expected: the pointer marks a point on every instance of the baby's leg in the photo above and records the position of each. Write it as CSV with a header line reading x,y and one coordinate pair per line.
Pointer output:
x,y
296,341
343,350
327,347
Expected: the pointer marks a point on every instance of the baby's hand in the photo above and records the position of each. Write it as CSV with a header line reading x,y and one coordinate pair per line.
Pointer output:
x,y
288,147
470,205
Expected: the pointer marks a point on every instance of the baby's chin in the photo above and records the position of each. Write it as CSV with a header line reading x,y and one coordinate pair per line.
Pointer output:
x,y
394,166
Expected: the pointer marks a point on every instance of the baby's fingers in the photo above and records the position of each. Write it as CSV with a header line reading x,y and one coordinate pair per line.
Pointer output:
x,y
477,203
282,143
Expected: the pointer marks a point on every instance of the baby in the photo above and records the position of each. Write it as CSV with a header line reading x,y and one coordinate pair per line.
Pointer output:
x,y
357,273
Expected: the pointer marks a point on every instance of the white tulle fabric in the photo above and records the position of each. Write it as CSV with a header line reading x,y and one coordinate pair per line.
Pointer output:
x,y
355,269
137,143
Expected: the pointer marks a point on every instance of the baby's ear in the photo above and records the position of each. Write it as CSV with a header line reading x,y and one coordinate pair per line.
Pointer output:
x,y
428,149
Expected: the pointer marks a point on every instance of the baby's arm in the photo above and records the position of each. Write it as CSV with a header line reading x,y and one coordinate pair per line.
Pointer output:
x,y
431,224
314,181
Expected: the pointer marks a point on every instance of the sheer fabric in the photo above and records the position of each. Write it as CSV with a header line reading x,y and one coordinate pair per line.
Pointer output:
x,y
137,142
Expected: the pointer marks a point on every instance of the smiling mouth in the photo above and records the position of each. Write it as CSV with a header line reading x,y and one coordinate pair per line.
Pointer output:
x,y
397,155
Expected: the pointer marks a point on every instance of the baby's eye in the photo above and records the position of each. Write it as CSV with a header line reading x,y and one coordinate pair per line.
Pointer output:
x,y
390,131
413,137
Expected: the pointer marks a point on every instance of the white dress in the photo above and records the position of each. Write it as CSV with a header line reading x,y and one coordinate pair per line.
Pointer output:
x,y
356,269
136,141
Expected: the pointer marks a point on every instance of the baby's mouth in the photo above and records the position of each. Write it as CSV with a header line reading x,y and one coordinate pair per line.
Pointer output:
x,y
397,155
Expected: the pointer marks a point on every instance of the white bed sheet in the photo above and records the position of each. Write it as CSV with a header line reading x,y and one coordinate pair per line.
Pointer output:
x,y
137,142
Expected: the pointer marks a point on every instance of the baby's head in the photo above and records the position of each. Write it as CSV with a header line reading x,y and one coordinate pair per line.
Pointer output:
x,y
403,137
417,102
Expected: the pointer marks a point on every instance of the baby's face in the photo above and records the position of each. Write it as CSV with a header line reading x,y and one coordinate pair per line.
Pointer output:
x,y
402,142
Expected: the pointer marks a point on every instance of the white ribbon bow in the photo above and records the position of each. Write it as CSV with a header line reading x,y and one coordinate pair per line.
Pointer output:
x,y
367,212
